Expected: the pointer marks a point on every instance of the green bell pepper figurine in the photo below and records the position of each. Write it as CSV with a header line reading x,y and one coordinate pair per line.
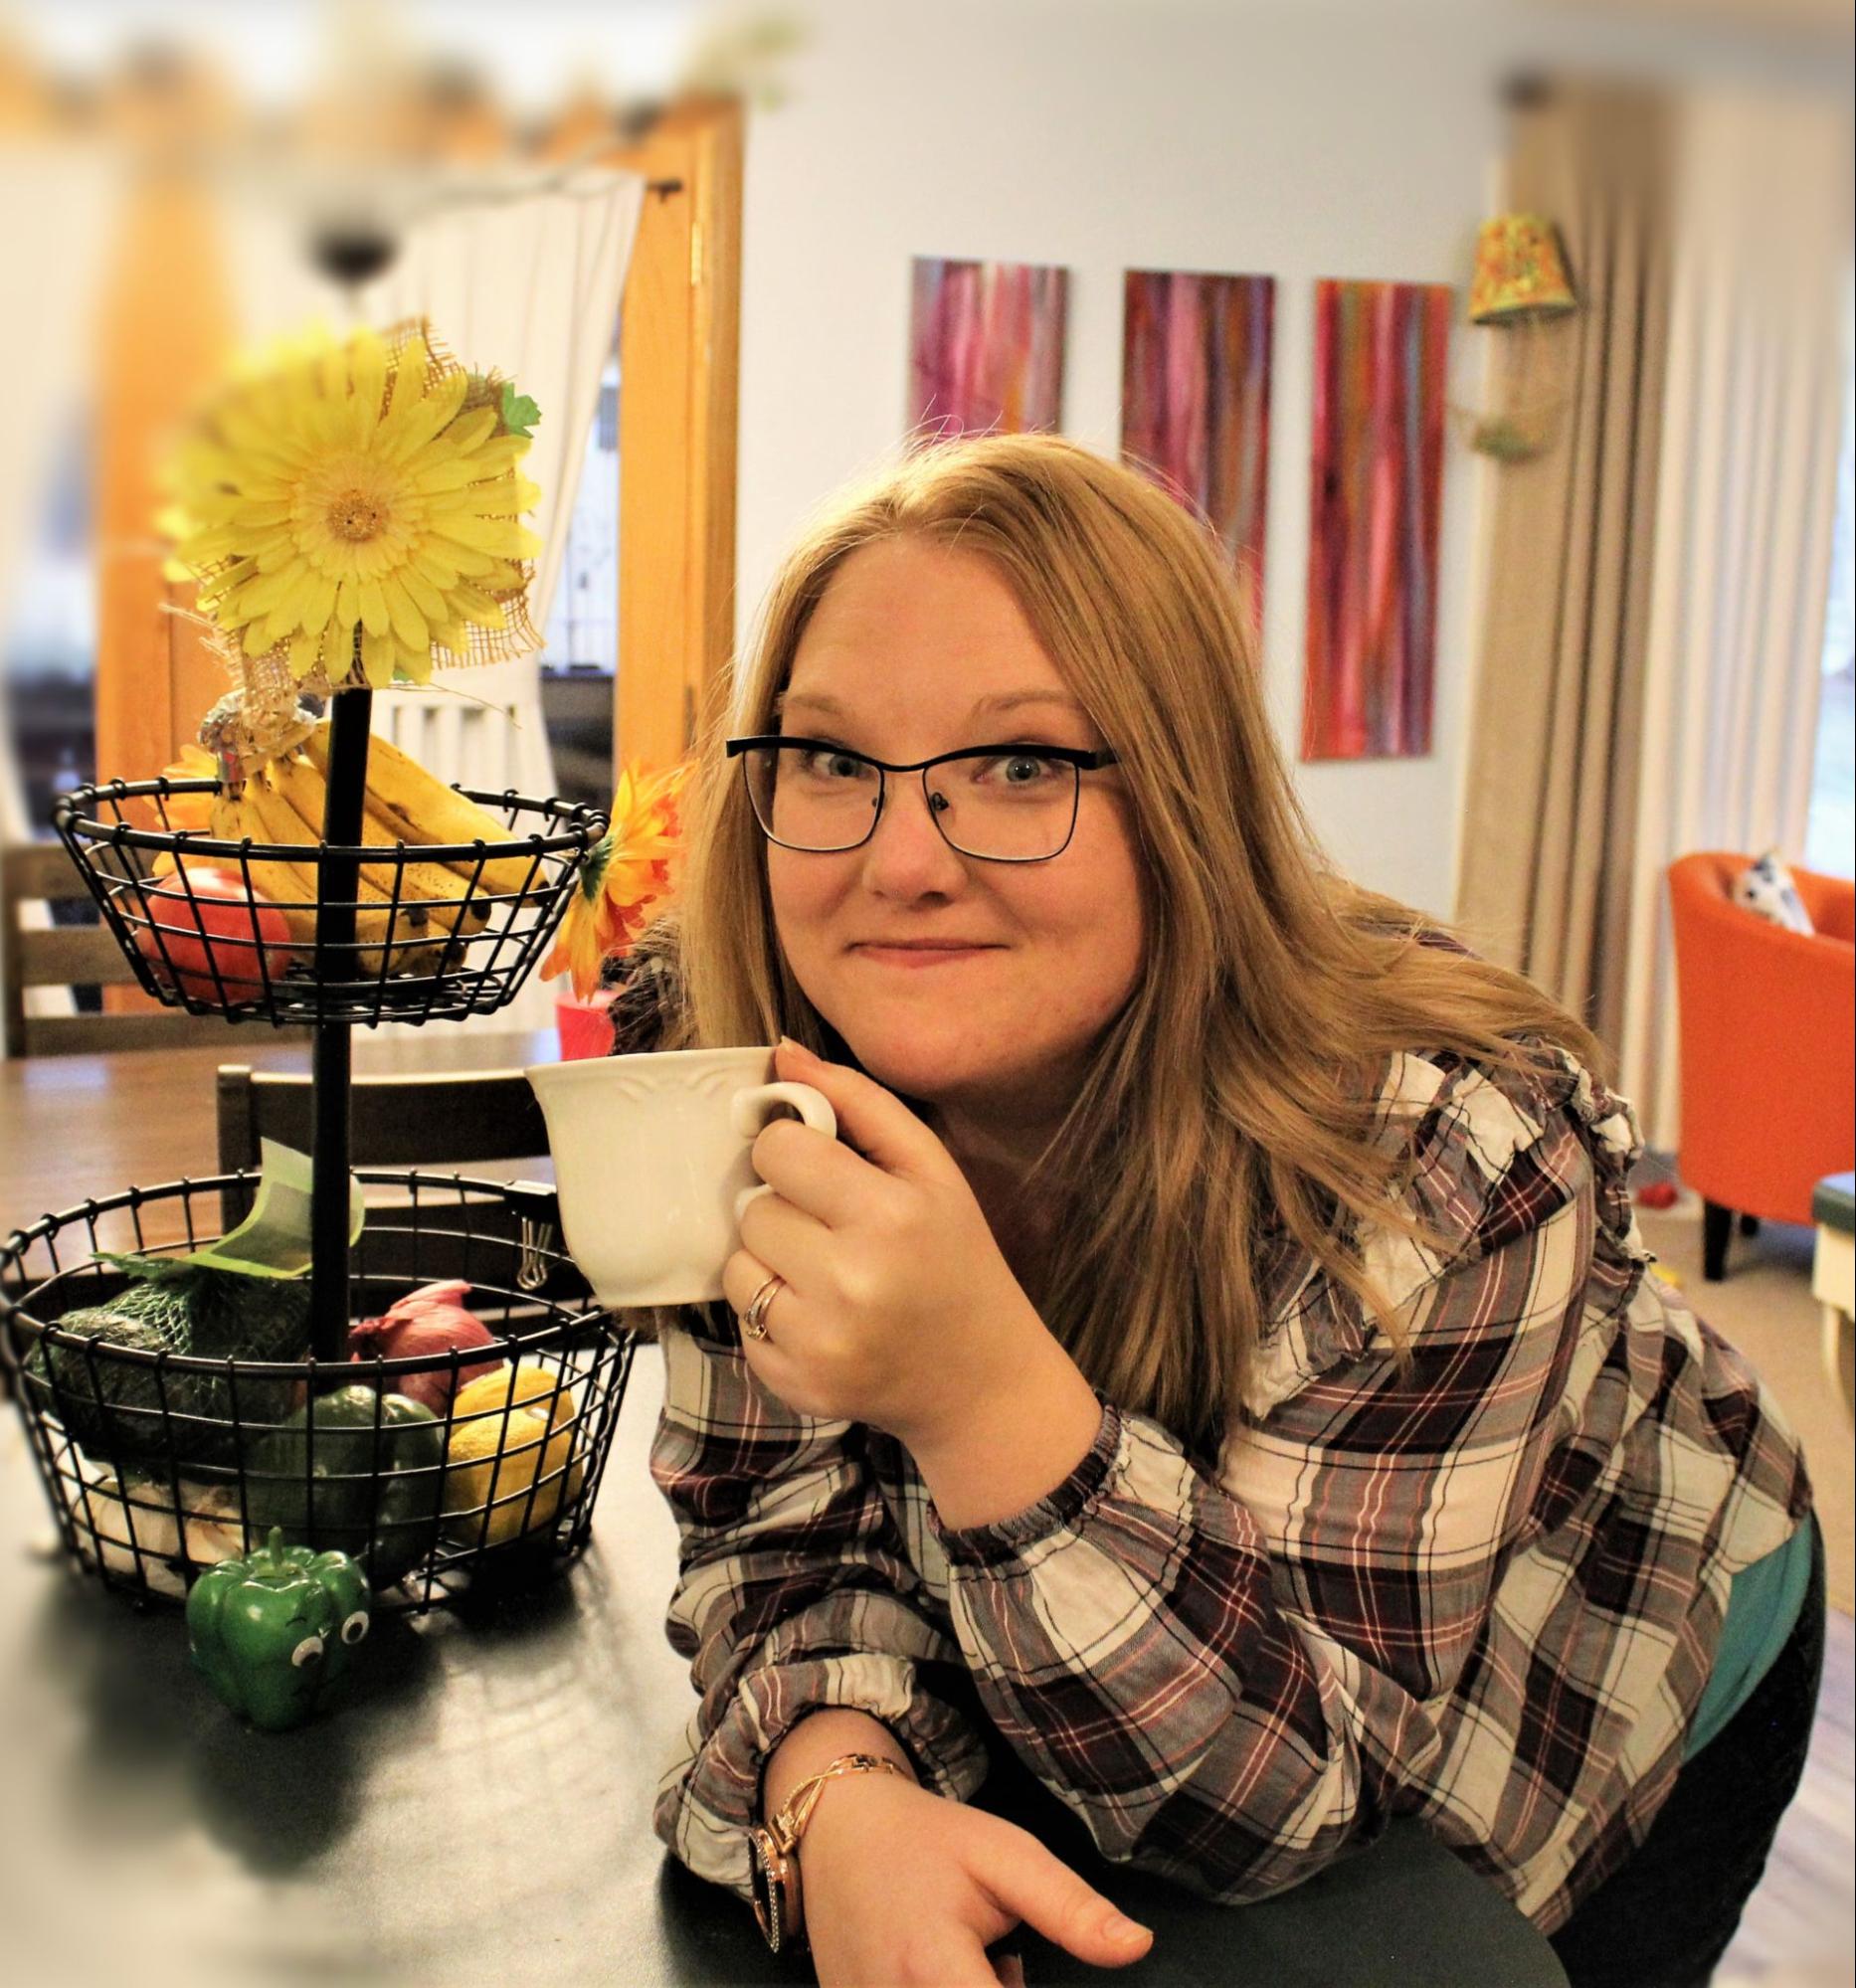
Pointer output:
x,y
364,1479
273,1632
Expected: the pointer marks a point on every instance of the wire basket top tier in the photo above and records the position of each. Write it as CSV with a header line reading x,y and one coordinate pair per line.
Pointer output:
x,y
237,928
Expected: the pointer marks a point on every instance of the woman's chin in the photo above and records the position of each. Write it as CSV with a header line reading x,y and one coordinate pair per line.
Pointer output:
x,y
976,1092
918,1068
915,1077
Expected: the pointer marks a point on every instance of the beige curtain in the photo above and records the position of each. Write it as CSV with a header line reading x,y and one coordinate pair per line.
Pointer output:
x,y
1757,365
1547,864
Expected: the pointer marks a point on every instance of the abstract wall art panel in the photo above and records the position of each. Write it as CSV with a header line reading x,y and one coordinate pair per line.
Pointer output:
x,y
1194,399
986,348
1376,490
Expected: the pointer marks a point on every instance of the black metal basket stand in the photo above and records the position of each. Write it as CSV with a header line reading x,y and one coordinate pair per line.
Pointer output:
x,y
157,1463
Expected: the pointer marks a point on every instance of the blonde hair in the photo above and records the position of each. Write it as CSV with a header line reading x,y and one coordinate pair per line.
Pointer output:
x,y
1238,1089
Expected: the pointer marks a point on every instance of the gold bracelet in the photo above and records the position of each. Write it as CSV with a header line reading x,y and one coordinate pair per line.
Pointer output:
x,y
774,1870
790,1821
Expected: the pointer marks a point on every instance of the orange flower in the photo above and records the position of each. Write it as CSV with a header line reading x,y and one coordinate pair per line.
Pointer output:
x,y
628,871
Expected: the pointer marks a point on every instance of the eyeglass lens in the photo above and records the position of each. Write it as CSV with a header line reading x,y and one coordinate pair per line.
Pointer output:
x,y
1010,806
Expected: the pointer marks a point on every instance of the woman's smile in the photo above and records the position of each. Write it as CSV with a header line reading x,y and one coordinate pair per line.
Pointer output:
x,y
919,952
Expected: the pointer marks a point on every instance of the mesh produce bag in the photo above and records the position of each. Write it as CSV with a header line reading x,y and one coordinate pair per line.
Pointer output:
x,y
110,1405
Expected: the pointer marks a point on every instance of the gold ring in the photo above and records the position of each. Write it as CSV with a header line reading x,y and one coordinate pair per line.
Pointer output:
x,y
754,1319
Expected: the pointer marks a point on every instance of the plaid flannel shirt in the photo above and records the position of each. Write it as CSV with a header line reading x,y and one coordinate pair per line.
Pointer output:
x,y
1483,1587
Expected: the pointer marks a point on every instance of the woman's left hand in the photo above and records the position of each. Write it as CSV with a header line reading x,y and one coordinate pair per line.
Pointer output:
x,y
898,1308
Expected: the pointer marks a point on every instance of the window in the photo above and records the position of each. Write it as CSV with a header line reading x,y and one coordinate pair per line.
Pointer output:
x,y
1830,845
580,653
48,642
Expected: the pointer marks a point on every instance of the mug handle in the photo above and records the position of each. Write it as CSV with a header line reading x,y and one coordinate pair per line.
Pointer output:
x,y
748,1114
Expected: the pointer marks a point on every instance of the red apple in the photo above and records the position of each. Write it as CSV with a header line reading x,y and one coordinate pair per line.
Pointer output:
x,y
208,922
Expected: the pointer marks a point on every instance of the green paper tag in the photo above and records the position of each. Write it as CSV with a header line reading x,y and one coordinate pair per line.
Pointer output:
x,y
273,1240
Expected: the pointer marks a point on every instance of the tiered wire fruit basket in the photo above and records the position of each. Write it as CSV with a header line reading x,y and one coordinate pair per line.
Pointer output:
x,y
158,1460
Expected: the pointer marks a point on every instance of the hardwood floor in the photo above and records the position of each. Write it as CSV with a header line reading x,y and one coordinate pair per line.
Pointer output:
x,y
1797,1929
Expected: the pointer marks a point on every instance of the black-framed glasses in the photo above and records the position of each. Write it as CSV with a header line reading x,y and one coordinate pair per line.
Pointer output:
x,y
1005,803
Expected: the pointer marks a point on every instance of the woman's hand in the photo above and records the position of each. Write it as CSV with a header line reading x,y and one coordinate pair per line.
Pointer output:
x,y
903,1887
899,1309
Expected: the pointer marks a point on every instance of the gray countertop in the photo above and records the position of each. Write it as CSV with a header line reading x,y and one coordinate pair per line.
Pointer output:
x,y
477,1809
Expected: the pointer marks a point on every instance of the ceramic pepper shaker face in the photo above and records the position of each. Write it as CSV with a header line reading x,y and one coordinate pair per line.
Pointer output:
x,y
273,1631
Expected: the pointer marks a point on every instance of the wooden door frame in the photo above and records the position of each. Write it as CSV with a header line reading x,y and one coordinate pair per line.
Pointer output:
x,y
678,397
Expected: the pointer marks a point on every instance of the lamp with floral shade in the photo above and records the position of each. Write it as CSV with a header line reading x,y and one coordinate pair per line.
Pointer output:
x,y
1519,282
1519,272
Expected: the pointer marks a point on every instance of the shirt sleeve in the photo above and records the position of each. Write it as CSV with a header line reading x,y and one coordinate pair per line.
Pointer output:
x,y
1229,1676
794,1595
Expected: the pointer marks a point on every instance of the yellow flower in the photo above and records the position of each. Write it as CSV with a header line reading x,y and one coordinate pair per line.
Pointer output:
x,y
629,869
346,490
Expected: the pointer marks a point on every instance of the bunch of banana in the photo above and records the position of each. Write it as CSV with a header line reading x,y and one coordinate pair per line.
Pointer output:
x,y
412,805
428,908
260,813
442,895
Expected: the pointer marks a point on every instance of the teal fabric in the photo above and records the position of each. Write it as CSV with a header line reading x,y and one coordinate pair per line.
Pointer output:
x,y
1834,1202
1761,1612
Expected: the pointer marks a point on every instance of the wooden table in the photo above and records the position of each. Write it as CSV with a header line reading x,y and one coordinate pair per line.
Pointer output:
x,y
76,1126
477,1811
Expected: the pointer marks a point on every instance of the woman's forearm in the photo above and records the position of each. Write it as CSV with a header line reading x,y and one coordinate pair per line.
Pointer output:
x,y
1016,1446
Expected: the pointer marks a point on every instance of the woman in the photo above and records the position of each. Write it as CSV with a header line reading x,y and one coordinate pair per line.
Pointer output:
x,y
1217,1351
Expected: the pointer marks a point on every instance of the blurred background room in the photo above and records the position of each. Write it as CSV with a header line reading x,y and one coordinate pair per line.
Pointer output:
x,y
740,253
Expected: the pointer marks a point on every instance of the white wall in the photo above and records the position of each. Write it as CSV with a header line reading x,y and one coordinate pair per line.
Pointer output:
x,y
1307,144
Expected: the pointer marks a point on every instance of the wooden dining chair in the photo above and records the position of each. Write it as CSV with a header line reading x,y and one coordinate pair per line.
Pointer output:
x,y
444,1124
39,955
443,1120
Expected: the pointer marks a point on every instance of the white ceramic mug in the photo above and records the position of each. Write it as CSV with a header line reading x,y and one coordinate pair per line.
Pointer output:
x,y
651,1164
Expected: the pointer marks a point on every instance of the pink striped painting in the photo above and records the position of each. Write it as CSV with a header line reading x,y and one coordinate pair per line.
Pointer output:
x,y
1375,493
1195,400
986,348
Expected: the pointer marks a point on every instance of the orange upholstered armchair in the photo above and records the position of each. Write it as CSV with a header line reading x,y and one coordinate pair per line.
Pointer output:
x,y
1769,1047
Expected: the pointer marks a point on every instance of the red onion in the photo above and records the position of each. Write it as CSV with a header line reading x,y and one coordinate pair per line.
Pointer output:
x,y
429,1321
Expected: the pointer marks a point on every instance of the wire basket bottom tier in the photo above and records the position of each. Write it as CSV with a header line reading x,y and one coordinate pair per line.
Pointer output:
x,y
446,1475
